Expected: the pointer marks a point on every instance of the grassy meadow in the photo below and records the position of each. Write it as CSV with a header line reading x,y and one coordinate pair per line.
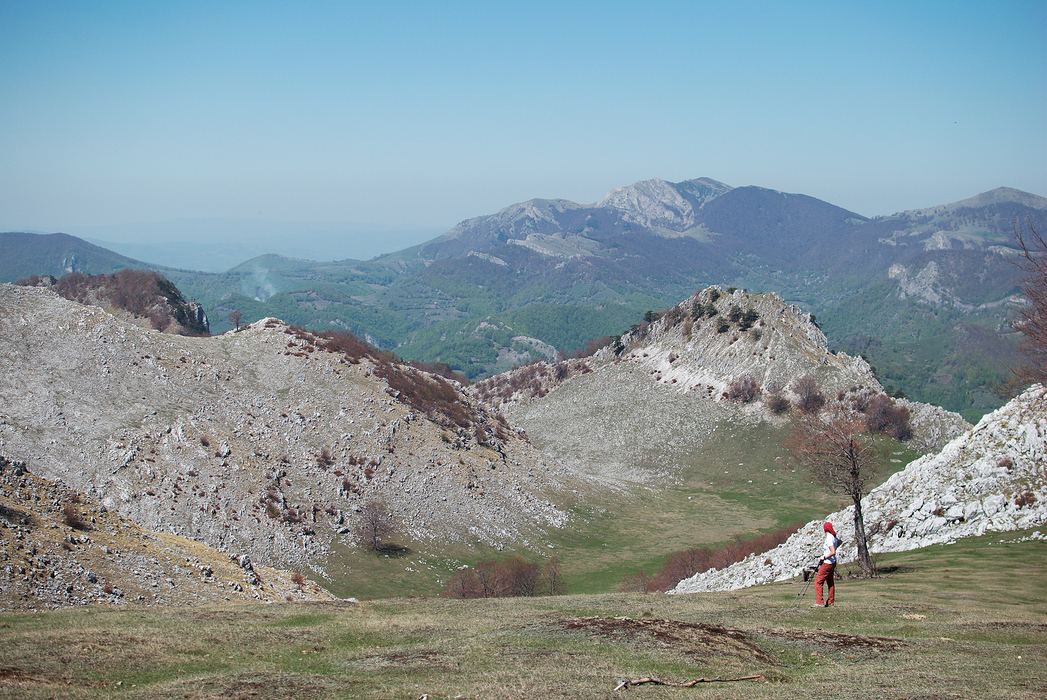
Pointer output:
x,y
965,620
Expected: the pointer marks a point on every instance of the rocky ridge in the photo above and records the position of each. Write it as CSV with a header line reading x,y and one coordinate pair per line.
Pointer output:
x,y
993,478
635,408
258,442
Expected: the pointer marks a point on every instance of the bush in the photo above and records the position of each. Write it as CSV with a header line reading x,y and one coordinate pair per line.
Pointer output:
x,y
743,389
747,319
635,583
72,517
512,577
324,458
776,403
883,416
809,397
689,562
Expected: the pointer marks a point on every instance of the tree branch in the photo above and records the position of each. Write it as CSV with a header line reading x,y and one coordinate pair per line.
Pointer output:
x,y
689,684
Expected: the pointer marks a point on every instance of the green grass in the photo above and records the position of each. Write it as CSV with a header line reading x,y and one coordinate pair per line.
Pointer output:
x,y
966,620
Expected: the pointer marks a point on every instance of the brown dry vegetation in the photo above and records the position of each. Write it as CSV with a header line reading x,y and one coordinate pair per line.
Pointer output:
x,y
687,563
142,293
425,387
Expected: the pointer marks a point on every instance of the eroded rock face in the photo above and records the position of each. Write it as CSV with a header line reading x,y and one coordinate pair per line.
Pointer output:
x,y
993,478
220,439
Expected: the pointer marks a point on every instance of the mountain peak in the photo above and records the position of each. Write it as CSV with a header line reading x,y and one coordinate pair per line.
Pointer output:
x,y
659,204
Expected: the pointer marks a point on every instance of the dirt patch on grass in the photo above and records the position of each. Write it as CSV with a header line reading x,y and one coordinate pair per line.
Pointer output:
x,y
702,642
836,641
247,686
12,677
829,643
416,660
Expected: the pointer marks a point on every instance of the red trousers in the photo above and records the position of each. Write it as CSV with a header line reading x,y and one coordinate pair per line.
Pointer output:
x,y
825,575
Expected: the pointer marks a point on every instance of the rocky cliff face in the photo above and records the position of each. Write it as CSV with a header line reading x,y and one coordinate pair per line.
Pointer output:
x,y
258,442
658,204
992,478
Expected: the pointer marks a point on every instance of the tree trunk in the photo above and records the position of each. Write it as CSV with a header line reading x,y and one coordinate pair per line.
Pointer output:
x,y
864,560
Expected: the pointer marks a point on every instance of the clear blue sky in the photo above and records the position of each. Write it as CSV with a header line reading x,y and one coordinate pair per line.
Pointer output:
x,y
423,114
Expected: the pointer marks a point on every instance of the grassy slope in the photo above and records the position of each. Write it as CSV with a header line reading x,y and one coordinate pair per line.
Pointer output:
x,y
939,625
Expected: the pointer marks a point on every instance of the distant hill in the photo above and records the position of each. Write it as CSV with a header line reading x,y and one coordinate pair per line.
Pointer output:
x,y
55,254
504,288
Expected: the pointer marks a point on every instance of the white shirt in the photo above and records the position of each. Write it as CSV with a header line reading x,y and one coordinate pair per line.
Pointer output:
x,y
831,542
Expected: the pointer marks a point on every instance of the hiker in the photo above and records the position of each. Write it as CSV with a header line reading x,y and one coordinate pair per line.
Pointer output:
x,y
826,567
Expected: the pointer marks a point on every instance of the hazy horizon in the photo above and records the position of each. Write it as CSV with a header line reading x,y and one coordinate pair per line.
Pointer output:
x,y
416,117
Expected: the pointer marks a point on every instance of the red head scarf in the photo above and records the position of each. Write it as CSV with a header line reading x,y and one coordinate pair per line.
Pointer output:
x,y
828,527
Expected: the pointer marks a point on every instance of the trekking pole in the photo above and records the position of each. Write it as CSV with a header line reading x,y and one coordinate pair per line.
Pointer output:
x,y
803,590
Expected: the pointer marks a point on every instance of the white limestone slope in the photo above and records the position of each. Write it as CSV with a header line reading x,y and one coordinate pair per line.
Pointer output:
x,y
993,478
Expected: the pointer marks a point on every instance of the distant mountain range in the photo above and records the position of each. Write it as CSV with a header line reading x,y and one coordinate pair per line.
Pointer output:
x,y
924,294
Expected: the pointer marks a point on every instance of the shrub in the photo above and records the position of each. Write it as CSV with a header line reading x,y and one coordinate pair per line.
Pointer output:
x,y
776,403
639,582
883,416
809,398
743,389
689,562
747,319
72,517
1025,499
512,577
324,459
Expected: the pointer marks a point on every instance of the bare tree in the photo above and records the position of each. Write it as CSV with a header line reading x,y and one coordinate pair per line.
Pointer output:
x,y
809,397
463,584
486,578
552,576
375,526
1032,320
517,577
640,582
841,459
235,317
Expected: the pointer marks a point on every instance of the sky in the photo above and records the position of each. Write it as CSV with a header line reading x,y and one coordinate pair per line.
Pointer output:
x,y
119,118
